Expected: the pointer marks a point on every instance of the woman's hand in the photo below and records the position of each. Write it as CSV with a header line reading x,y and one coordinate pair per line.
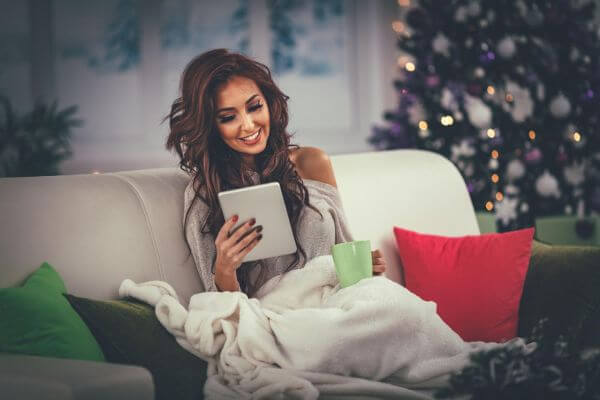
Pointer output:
x,y
231,250
378,262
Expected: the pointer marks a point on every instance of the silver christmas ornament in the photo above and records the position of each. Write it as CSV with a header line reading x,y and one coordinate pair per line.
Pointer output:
x,y
515,170
479,114
506,210
506,47
547,186
560,106
575,173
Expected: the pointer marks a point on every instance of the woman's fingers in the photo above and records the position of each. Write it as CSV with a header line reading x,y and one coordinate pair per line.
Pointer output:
x,y
246,240
224,231
378,262
241,231
378,268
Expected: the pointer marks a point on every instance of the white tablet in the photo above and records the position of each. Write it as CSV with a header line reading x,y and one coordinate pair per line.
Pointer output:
x,y
265,203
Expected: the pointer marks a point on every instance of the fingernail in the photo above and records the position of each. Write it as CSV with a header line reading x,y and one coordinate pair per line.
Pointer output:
x,y
259,237
252,221
259,228
235,218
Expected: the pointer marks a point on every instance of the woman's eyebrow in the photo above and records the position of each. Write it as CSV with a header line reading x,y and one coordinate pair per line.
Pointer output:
x,y
233,108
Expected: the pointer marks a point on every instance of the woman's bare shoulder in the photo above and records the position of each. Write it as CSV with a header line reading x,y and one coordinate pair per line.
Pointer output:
x,y
313,163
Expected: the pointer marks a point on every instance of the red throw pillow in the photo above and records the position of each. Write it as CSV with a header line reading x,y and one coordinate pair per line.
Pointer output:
x,y
476,281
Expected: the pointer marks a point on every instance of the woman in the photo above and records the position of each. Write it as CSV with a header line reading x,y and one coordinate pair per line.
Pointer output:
x,y
229,130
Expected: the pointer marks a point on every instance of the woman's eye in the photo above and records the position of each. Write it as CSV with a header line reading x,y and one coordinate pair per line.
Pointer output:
x,y
255,107
226,118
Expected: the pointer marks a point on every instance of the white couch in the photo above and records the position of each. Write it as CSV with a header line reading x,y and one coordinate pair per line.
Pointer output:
x,y
98,229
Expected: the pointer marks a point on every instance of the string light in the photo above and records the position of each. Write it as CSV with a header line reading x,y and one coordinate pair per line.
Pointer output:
x,y
499,196
532,134
509,97
447,120
398,26
404,3
489,206
495,178
423,125
495,154
491,133
577,136
96,172
410,67
491,90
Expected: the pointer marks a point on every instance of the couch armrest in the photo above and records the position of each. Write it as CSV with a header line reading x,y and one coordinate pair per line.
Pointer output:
x,y
563,285
30,377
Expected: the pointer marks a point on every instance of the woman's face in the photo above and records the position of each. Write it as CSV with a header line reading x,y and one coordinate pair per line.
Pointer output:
x,y
242,112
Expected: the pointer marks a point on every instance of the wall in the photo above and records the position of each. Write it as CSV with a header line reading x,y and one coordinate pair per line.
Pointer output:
x,y
120,62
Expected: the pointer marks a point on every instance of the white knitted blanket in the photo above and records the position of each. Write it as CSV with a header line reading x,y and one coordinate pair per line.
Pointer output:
x,y
304,337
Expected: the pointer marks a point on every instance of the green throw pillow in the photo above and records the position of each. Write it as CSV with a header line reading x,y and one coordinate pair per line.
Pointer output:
x,y
36,319
129,333
563,285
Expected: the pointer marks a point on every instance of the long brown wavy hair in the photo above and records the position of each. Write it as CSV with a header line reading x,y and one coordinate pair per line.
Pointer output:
x,y
214,165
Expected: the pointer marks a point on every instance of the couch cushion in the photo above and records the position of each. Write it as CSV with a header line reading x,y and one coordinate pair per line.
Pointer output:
x,y
129,333
36,319
563,285
476,281
98,230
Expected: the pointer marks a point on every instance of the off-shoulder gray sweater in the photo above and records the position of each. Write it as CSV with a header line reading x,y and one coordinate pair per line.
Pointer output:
x,y
316,236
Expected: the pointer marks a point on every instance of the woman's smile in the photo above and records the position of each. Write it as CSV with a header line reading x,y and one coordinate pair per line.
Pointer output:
x,y
252,139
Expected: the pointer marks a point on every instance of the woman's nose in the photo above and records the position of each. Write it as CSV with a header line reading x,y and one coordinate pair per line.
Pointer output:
x,y
247,123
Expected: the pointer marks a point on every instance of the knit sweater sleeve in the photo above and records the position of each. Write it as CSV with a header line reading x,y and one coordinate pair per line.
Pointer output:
x,y
202,245
331,197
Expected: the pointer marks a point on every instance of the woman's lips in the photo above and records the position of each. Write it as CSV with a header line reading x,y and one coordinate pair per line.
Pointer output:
x,y
253,141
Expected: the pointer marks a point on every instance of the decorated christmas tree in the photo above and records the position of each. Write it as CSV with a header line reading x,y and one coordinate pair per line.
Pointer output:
x,y
509,91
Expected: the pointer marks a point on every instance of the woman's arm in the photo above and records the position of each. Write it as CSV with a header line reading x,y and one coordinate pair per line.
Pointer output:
x,y
313,163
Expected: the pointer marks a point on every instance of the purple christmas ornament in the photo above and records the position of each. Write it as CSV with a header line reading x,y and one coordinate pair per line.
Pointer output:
x,y
432,81
533,156
397,130
589,94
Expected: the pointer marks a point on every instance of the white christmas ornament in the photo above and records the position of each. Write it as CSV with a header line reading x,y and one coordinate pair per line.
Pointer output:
x,y
574,174
479,72
493,164
523,105
416,113
522,7
524,207
441,44
506,210
541,91
560,106
461,14
464,149
568,209
448,101
479,114
547,185
424,133
511,190
474,9
469,170
506,47
515,170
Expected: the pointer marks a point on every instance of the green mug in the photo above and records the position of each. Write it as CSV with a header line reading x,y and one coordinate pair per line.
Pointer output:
x,y
353,261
